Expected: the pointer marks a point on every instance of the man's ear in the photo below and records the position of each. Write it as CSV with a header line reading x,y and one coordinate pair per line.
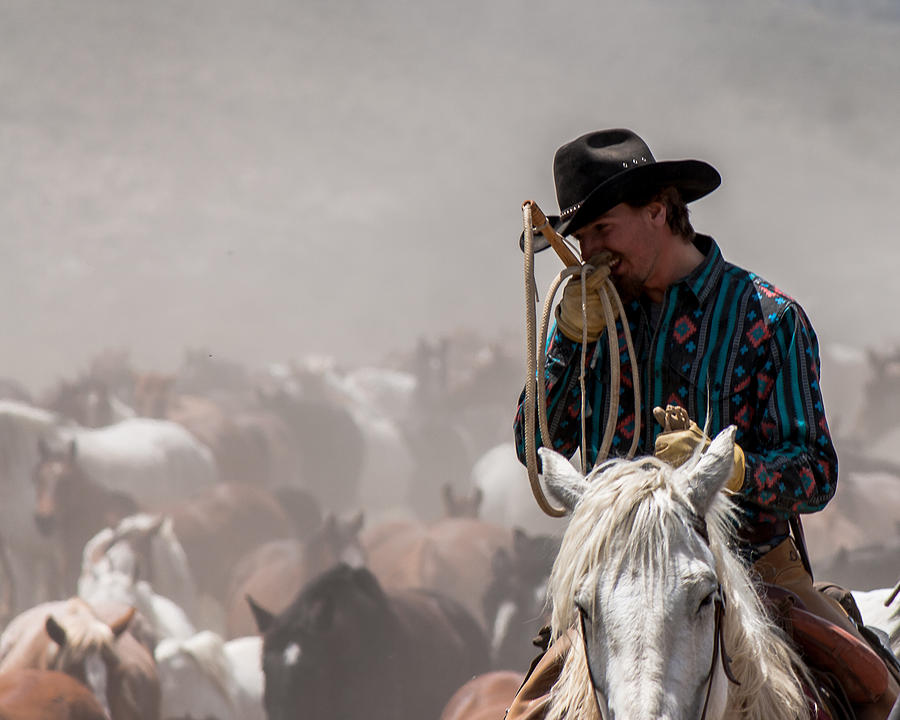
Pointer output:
x,y
656,211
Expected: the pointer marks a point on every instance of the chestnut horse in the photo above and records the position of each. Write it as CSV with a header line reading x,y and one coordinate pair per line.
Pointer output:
x,y
484,697
453,556
69,637
46,695
275,572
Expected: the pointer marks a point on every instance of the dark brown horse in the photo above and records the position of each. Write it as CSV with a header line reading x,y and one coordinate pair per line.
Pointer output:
x,y
515,600
240,450
346,650
86,401
218,525
71,508
46,695
331,444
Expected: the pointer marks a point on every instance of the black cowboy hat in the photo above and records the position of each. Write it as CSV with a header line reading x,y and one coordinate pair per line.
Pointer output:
x,y
601,169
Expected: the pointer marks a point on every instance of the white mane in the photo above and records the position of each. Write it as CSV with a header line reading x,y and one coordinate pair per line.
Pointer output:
x,y
207,649
632,515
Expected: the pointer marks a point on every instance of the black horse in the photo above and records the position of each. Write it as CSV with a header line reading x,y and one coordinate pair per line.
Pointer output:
x,y
347,649
515,601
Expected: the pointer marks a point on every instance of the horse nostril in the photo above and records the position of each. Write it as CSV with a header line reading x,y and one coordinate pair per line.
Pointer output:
x,y
44,523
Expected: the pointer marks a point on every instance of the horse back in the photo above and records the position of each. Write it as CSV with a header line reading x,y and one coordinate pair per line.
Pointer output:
x,y
444,646
484,697
29,694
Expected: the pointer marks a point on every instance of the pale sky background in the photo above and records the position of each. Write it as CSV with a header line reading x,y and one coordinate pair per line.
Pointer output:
x,y
275,178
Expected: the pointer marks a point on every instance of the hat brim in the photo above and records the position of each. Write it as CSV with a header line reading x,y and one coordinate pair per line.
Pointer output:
x,y
693,178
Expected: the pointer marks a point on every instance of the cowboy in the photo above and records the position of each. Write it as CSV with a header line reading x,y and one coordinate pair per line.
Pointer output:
x,y
713,342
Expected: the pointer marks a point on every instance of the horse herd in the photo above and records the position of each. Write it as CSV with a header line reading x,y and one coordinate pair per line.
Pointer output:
x,y
284,547
309,543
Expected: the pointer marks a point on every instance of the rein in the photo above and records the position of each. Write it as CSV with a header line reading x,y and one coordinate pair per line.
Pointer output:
x,y
718,649
613,310
700,527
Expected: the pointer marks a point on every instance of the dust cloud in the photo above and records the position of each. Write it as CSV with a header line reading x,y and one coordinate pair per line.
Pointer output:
x,y
274,179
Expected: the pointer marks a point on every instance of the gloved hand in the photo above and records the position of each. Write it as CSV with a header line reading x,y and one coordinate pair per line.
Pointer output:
x,y
680,435
569,317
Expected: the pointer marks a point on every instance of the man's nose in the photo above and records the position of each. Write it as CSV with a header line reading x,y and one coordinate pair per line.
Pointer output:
x,y
590,247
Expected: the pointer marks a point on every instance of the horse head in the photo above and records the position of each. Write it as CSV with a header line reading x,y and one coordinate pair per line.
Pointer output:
x,y
515,600
456,504
57,478
86,648
337,541
647,584
329,642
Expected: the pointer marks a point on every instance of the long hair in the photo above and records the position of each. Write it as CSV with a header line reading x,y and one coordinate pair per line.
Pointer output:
x,y
633,514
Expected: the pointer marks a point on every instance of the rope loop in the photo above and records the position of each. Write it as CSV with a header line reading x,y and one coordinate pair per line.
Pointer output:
x,y
535,387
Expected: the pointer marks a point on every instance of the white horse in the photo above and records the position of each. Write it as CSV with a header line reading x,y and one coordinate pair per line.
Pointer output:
x,y
154,461
506,500
205,677
141,563
876,614
646,578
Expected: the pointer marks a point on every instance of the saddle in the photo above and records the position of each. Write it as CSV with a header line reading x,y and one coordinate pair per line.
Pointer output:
x,y
846,666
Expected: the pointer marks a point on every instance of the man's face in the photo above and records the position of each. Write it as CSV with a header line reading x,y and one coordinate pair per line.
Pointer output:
x,y
632,236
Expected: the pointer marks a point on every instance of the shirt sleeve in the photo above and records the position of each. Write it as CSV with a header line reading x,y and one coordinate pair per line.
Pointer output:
x,y
791,462
563,396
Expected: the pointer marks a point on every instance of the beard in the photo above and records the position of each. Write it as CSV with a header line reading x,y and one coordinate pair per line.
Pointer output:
x,y
629,288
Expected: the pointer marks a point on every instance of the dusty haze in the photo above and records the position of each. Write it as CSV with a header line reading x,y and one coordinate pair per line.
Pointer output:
x,y
277,178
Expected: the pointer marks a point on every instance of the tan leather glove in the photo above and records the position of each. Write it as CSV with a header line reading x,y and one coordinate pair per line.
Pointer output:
x,y
569,317
680,435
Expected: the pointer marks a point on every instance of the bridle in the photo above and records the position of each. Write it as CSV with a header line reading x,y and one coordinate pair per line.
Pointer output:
x,y
719,652
699,526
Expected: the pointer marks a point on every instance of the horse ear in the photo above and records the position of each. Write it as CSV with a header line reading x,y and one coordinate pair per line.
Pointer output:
x,y
501,563
56,631
329,524
120,625
477,499
520,541
355,524
264,619
156,525
563,479
322,613
712,471
448,499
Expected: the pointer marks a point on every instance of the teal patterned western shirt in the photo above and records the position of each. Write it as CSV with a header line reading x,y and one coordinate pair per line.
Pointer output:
x,y
725,341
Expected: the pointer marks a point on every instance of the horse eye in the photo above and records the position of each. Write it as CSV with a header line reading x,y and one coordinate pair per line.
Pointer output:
x,y
707,601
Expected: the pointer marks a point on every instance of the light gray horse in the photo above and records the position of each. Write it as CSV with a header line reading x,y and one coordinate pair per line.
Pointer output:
x,y
646,577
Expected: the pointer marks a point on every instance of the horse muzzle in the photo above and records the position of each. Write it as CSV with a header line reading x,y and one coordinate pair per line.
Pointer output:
x,y
46,524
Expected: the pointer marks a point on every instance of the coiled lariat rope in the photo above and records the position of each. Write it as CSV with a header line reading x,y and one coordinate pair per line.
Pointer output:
x,y
534,218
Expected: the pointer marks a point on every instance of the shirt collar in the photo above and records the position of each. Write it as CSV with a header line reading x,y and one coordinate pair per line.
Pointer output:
x,y
703,278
